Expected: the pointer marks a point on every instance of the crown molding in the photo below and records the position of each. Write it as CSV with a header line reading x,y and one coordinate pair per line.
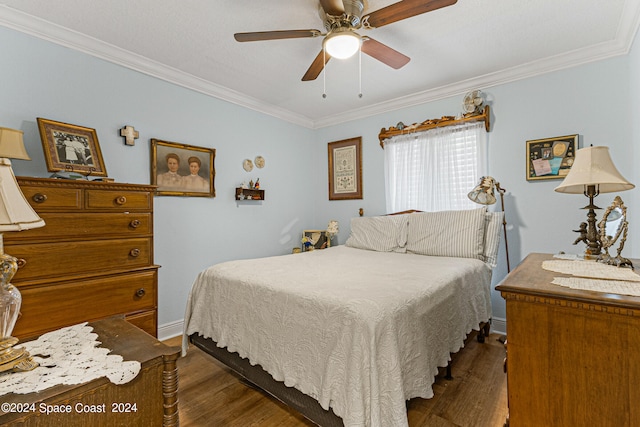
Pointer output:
x,y
45,30
62,36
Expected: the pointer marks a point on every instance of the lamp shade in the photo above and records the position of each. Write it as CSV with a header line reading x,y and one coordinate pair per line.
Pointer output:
x,y
484,193
16,213
593,166
342,43
11,144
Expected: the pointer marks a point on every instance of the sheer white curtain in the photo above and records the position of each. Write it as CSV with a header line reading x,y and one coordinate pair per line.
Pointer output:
x,y
434,170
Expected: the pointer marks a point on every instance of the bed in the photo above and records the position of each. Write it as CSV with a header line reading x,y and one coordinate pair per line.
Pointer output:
x,y
346,335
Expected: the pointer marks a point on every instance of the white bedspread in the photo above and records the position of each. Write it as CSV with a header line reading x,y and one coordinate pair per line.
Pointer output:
x,y
360,331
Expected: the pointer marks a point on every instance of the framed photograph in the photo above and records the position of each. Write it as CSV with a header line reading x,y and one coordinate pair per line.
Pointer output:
x,y
551,158
345,169
315,239
71,148
182,170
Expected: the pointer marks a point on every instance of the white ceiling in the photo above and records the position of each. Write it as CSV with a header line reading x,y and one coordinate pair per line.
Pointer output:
x,y
471,44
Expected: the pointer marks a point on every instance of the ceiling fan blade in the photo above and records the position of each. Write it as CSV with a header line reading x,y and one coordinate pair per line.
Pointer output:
x,y
275,35
332,7
316,66
403,10
384,53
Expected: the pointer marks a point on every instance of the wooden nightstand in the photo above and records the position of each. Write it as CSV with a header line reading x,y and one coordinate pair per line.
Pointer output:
x,y
573,356
153,391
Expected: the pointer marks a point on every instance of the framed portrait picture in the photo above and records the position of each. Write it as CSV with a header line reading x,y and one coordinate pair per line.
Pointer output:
x,y
71,148
315,239
345,169
182,170
551,158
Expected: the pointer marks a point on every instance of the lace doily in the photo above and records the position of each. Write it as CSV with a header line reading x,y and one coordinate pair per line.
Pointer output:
x,y
609,286
591,269
68,356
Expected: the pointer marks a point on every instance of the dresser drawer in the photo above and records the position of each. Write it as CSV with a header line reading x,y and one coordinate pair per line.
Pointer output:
x,y
68,303
53,199
118,200
50,260
147,321
87,225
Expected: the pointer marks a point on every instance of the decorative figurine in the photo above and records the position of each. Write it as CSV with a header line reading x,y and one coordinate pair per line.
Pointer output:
x,y
583,234
257,184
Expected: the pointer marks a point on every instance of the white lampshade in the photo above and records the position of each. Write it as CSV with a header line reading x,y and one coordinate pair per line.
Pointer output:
x,y
342,44
11,144
593,166
16,213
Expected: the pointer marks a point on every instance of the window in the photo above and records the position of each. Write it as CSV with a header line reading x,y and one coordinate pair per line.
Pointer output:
x,y
434,170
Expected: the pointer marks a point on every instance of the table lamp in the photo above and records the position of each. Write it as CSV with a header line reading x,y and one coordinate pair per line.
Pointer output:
x,y
15,215
484,194
592,173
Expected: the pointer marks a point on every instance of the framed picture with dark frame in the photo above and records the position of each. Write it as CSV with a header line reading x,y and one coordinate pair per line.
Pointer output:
x,y
315,239
71,148
182,170
345,169
551,158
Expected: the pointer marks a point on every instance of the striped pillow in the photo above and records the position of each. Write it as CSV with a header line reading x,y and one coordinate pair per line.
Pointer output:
x,y
379,233
448,233
493,220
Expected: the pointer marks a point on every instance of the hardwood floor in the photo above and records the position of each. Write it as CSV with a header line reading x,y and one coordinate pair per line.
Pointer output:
x,y
212,395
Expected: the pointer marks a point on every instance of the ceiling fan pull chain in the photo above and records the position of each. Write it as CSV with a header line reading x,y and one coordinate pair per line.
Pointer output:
x,y
360,70
324,73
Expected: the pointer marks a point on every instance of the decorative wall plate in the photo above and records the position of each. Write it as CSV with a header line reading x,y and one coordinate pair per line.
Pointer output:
x,y
259,161
247,165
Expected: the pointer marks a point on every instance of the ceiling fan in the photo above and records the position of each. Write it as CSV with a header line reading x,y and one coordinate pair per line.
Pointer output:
x,y
341,20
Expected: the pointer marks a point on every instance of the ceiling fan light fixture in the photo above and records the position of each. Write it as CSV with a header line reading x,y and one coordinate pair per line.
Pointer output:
x,y
342,44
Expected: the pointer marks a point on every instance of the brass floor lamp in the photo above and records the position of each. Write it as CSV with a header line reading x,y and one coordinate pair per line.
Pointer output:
x,y
484,194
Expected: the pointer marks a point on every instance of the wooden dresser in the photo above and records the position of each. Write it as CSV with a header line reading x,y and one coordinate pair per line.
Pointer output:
x,y
150,399
573,356
93,258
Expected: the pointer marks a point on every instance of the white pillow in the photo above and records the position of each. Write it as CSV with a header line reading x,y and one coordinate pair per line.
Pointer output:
x,y
379,233
493,221
448,233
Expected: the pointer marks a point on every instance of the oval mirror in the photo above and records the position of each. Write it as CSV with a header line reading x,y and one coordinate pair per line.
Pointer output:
x,y
613,229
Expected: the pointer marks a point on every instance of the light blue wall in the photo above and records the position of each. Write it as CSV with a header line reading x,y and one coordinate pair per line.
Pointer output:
x,y
592,100
191,233
597,101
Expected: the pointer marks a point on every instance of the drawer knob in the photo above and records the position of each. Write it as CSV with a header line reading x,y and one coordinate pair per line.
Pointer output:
x,y
141,292
134,252
121,200
39,198
135,223
21,262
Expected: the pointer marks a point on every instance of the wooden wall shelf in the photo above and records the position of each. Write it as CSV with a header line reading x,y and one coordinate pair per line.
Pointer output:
x,y
249,194
436,123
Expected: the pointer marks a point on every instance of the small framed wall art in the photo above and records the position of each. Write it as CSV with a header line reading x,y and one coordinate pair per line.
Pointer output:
x,y
345,169
182,170
551,158
71,148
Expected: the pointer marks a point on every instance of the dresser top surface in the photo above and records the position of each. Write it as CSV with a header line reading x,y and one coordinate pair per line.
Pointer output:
x,y
81,183
530,278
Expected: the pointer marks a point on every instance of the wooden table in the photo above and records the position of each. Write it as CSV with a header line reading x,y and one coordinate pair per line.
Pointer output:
x,y
573,356
153,391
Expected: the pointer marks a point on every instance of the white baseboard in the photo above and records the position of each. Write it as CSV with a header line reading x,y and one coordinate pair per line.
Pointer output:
x,y
170,330
499,326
